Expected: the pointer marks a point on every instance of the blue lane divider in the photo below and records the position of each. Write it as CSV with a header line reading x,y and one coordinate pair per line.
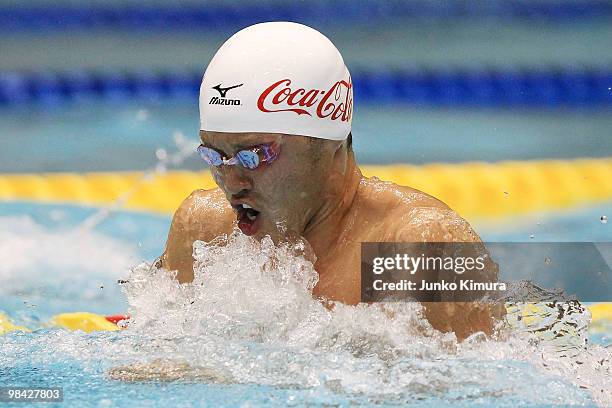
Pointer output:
x,y
478,88
139,15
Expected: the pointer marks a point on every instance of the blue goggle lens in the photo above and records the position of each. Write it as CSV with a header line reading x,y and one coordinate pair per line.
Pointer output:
x,y
248,159
210,156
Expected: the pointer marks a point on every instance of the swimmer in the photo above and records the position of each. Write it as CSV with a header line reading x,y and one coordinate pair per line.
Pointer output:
x,y
276,106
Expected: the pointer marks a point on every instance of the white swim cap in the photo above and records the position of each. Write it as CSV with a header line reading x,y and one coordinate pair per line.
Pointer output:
x,y
278,77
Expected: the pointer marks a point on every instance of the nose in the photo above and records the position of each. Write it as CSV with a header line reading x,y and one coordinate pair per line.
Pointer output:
x,y
234,180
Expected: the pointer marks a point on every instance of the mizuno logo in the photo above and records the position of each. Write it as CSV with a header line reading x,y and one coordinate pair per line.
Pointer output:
x,y
223,91
215,100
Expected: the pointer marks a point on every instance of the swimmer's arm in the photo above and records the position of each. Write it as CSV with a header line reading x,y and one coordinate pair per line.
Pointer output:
x,y
444,225
163,369
193,220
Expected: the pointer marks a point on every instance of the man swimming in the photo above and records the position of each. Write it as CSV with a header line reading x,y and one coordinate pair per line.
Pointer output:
x,y
276,106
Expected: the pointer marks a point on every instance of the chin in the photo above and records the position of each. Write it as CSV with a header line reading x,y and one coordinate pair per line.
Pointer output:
x,y
278,232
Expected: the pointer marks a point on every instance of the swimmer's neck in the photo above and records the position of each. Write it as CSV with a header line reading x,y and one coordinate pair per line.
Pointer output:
x,y
328,222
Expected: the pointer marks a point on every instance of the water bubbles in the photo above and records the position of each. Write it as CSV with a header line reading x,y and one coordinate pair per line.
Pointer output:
x,y
28,304
161,154
603,219
179,138
184,147
257,298
250,318
78,261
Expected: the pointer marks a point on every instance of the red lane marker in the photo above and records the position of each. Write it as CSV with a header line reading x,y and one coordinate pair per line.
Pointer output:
x,y
116,318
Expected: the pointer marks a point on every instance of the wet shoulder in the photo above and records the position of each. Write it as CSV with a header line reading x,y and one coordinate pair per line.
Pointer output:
x,y
205,214
411,215
202,216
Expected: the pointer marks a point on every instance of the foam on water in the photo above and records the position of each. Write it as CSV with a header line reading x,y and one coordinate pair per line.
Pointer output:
x,y
29,248
63,266
249,318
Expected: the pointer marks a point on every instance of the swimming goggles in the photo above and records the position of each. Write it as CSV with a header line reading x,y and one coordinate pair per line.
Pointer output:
x,y
250,158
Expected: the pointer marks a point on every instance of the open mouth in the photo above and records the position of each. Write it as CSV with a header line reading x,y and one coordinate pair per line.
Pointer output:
x,y
248,218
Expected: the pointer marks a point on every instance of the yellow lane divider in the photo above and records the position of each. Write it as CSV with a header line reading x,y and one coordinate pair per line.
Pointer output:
x,y
87,322
474,189
601,314
601,311
601,317
6,326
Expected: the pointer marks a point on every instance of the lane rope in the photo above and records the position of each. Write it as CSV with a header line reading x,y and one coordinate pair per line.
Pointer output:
x,y
232,15
549,87
473,189
601,318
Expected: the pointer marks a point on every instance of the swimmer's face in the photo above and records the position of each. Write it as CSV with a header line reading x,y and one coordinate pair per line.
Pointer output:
x,y
285,193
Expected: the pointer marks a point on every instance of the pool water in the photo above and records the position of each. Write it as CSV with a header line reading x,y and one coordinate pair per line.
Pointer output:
x,y
246,344
247,338
85,136
252,338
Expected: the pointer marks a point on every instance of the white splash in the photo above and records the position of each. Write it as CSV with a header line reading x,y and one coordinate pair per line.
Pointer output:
x,y
34,256
249,318
250,314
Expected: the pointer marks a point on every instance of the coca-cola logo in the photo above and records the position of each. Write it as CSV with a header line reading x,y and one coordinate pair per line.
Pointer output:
x,y
335,103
